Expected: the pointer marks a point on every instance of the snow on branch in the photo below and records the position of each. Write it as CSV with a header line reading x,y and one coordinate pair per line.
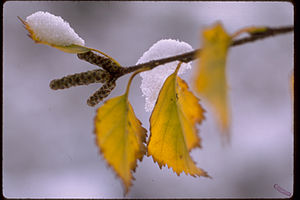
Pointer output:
x,y
153,80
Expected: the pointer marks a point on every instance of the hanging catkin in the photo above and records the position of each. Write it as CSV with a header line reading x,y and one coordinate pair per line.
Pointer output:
x,y
84,78
100,61
103,92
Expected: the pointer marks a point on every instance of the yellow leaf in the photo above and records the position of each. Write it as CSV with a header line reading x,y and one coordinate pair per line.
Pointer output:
x,y
210,77
120,136
73,48
292,84
252,30
172,127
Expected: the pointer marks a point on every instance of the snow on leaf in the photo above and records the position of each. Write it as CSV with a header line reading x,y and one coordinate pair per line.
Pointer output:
x,y
52,30
210,76
153,80
172,127
120,137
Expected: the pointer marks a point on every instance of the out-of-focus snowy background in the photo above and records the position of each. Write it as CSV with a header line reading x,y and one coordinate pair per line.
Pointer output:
x,y
48,142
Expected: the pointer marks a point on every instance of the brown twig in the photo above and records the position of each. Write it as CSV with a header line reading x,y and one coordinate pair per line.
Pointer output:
x,y
189,56
113,71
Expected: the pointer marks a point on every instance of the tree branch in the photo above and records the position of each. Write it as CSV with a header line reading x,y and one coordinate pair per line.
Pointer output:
x,y
189,56
113,70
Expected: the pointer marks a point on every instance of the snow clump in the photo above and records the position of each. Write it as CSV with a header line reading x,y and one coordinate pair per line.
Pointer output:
x,y
153,80
47,28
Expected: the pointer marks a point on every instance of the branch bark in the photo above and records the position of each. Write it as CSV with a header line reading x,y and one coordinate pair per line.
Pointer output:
x,y
113,71
189,56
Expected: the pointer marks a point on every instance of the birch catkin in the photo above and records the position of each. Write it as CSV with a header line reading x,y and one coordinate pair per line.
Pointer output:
x,y
100,61
103,92
84,78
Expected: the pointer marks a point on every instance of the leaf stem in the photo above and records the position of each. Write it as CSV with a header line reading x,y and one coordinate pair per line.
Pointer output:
x,y
132,76
178,67
105,55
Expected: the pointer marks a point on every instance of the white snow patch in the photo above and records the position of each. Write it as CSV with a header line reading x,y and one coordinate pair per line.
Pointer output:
x,y
53,29
153,80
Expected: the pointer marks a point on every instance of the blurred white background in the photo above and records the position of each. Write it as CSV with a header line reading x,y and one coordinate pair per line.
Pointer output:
x,y
48,142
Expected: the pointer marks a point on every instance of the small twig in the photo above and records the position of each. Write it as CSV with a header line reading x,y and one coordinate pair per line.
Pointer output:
x,y
189,56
